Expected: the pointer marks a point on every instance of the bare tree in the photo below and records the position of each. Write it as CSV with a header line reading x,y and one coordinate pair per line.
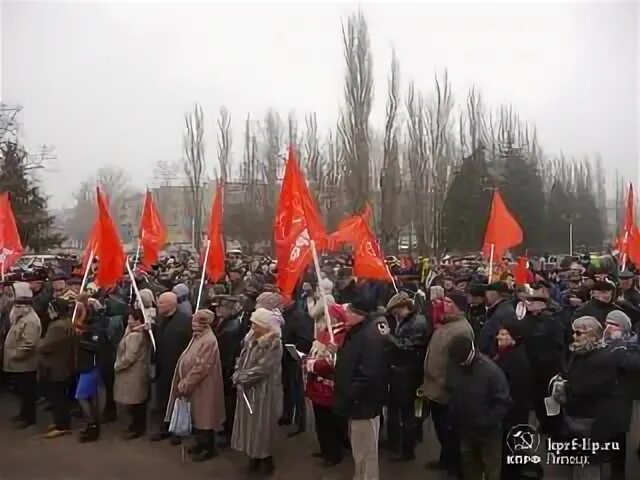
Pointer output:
x,y
331,191
313,163
194,166
224,144
390,181
354,124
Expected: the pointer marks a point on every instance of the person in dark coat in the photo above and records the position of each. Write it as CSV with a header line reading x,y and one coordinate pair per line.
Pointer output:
x,y
600,304
593,397
477,312
409,339
361,382
628,290
229,332
543,338
172,335
499,311
297,330
513,361
480,401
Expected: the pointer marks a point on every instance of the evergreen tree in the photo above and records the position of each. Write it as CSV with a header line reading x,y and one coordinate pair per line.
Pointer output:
x,y
559,213
29,205
467,204
588,231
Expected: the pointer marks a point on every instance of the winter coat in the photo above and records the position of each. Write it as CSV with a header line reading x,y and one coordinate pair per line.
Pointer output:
x,y
437,358
499,314
55,350
173,334
408,348
632,295
229,333
478,397
595,390
20,346
320,368
199,372
514,362
477,316
258,376
362,369
133,358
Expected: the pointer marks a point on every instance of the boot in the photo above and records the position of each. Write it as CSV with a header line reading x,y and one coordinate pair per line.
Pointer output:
x,y
267,467
90,434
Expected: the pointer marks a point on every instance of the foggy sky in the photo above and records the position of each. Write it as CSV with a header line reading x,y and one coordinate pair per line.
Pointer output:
x,y
108,83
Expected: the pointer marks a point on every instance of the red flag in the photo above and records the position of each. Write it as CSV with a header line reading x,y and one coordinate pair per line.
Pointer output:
x,y
215,261
297,222
10,245
624,240
633,246
521,272
108,247
153,235
503,232
368,261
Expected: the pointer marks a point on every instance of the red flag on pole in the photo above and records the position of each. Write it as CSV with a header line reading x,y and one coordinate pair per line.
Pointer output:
x,y
633,246
215,260
368,261
108,247
153,235
10,245
503,231
625,239
297,223
520,273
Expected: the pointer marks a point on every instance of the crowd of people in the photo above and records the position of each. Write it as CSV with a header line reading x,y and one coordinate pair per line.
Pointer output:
x,y
472,350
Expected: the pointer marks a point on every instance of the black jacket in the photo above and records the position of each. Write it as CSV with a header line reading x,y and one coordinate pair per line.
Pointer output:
x,y
477,316
595,308
407,351
544,342
633,296
361,372
297,329
499,314
173,334
595,389
479,397
514,362
229,333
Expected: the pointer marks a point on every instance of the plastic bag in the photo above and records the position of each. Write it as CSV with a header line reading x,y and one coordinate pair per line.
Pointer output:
x,y
180,423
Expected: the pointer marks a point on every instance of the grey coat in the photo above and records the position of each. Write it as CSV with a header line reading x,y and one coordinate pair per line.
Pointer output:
x,y
258,374
133,358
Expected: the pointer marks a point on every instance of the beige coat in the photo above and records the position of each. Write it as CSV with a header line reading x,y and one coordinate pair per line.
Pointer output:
x,y
20,346
199,375
56,351
133,358
437,357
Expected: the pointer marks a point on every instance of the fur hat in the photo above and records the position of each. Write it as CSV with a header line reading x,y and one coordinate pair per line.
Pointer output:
x,y
269,301
23,293
399,300
266,319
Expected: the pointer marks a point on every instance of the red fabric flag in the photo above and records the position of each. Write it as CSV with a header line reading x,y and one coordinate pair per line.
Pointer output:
x,y
108,247
153,235
10,245
520,273
623,243
215,261
633,246
297,222
368,261
503,232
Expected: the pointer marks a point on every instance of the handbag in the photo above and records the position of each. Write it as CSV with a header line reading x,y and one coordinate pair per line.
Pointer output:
x,y
180,424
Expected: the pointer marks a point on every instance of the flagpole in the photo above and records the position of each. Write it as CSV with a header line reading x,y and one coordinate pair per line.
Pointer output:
x,y
624,252
2,267
491,262
83,284
316,263
147,322
135,264
571,239
204,269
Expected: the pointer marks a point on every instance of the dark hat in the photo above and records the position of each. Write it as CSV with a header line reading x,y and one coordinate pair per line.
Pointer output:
x,y
222,299
514,327
500,287
477,290
460,299
604,286
535,297
626,275
460,349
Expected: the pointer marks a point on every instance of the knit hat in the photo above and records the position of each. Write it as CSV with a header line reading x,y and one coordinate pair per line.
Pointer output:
x,y
204,317
477,290
620,319
326,286
266,319
269,301
460,299
460,349
23,294
399,300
